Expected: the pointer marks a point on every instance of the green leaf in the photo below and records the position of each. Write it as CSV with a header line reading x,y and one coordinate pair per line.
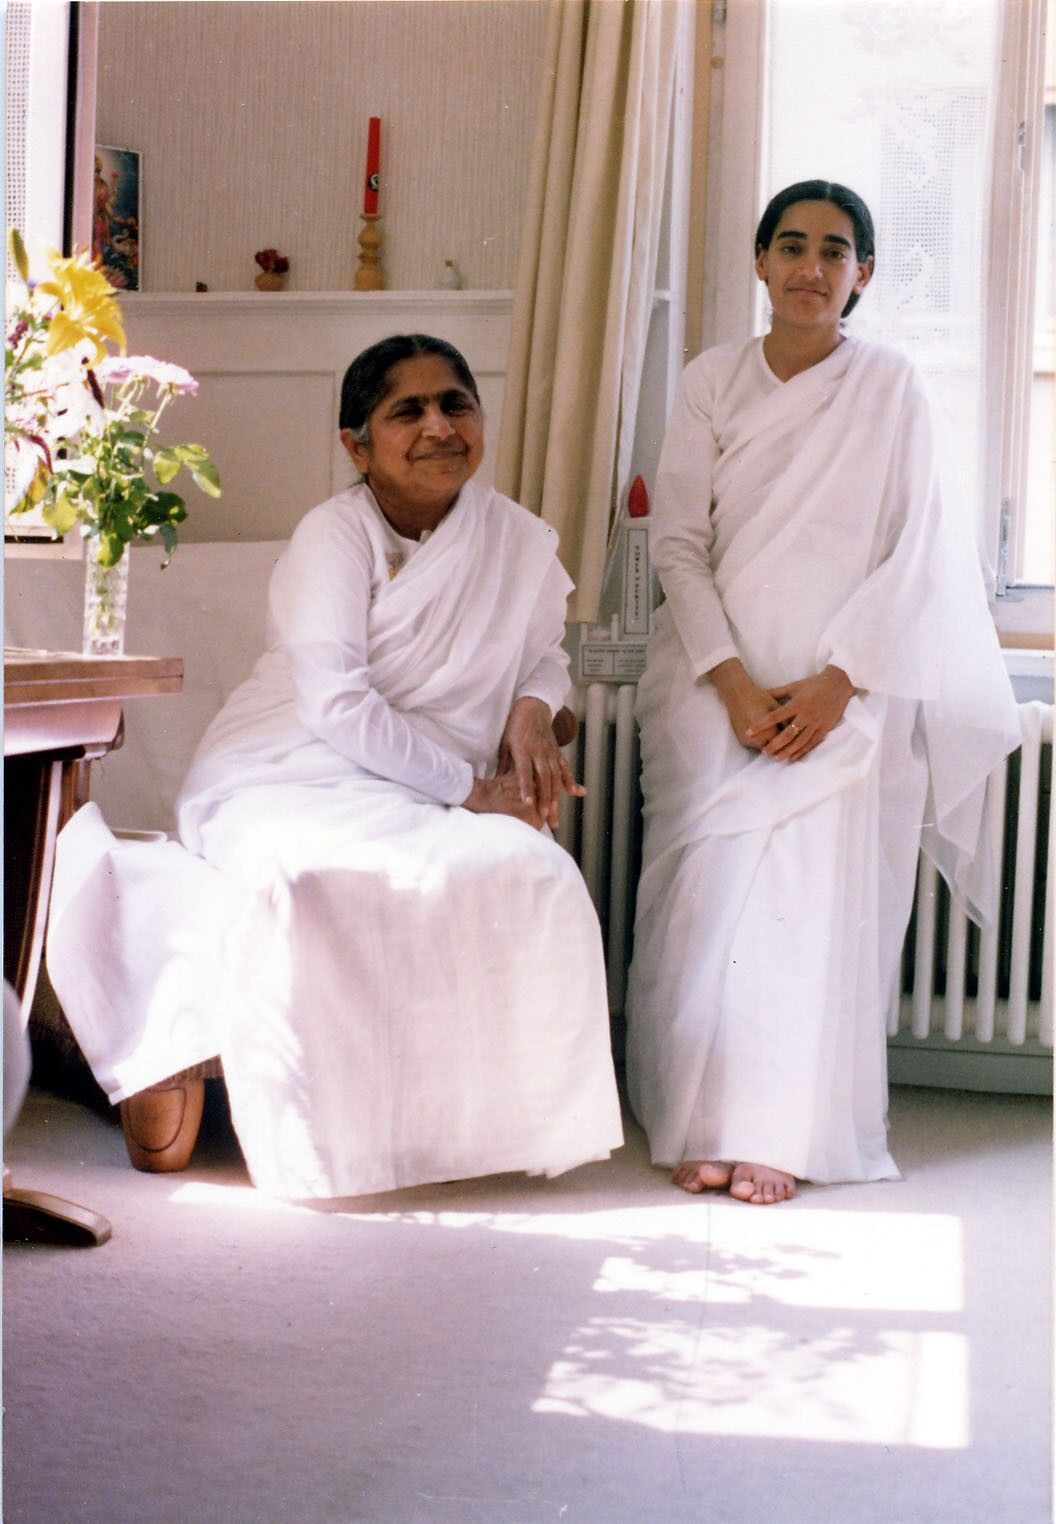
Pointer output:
x,y
163,508
61,515
111,548
168,535
176,509
166,465
207,478
34,492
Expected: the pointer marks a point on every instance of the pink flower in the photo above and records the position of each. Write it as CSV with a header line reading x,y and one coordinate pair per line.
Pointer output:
x,y
117,369
121,368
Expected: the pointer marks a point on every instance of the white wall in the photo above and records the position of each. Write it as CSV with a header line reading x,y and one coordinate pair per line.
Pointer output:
x,y
252,122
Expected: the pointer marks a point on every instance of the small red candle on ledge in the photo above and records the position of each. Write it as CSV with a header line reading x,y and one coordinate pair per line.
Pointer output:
x,y
368,276
370,193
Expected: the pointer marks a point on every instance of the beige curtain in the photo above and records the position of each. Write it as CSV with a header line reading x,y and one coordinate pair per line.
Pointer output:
x,y
587,270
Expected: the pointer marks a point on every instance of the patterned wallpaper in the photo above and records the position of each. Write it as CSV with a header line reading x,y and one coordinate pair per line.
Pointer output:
x,y
252,122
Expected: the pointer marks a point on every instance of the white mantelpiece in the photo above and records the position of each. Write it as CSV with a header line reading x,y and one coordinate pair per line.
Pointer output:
x,y
180,304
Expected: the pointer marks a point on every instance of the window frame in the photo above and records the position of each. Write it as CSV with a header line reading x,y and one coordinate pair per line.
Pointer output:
x,y
1012,263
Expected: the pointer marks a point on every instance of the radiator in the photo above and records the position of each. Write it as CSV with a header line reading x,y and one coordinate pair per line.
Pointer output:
x,y
603,831
975,1008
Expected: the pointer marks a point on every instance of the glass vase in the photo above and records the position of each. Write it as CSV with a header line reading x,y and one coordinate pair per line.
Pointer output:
x,y
105,606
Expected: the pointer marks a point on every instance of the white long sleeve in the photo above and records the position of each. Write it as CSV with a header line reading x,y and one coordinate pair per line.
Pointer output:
x,y
320,602
546,662
681,533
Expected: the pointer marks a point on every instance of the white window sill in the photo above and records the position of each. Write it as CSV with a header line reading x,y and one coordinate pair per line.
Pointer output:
x,y
1024,618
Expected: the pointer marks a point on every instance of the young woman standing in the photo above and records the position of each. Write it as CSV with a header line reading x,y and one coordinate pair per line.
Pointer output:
x,y
824,681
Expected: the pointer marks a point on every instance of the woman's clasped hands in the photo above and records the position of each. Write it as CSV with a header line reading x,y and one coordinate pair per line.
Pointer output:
x,y
532,772
786,722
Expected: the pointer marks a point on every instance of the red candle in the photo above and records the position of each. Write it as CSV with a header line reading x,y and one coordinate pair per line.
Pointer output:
x,y
370,192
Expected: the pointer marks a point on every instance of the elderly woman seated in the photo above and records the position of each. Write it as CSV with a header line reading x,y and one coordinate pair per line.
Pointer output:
x,y
404,969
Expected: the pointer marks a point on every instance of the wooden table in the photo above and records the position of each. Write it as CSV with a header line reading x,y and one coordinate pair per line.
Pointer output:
x,y
61,712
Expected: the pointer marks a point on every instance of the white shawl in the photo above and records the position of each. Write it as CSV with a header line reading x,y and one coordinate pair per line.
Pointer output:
x,y
408,678
808,528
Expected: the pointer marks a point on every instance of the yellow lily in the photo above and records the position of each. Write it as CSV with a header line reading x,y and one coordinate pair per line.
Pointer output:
x,y
88,309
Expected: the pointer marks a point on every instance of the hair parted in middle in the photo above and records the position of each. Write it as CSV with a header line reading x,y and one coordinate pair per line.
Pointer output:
x,y
366,382
837,195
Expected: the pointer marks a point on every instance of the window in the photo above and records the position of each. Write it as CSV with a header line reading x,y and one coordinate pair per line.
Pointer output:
x,y
932,112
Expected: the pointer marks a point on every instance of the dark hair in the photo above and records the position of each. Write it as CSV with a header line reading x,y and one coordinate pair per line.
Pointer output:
x,y
367,383
837,195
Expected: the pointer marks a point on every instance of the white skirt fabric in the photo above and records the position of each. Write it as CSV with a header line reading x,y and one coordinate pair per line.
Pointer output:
x,y
765,957
400,992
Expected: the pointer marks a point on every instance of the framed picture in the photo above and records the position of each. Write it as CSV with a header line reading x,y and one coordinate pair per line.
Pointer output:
x,y
116,193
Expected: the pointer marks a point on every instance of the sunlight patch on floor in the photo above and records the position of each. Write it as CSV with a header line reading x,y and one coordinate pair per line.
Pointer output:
x,y
862,1261
865,1260
721,1320
891,1387
897,1261
244,1198
814,1324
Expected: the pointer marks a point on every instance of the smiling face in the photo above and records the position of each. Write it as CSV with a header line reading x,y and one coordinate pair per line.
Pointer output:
x,y
811,269
426,439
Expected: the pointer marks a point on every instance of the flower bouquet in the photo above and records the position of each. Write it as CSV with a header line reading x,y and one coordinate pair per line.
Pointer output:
x,y
80,431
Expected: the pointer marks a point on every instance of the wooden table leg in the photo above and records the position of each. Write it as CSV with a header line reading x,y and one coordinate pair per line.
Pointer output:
x,y
32,796
33,793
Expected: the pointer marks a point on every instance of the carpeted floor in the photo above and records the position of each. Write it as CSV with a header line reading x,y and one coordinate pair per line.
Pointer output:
x,y
594,1350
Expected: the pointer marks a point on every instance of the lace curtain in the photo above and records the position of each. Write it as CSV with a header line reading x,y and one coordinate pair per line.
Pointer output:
x,y
16,47
896,100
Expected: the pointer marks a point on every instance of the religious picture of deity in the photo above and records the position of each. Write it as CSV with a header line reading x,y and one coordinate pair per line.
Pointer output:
x,y
115,215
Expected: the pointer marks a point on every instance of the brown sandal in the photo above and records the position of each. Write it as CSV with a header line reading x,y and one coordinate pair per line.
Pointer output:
x,y
161,1124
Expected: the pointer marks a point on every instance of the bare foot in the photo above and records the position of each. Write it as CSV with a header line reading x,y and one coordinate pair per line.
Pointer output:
x,y
695,1175
761,1185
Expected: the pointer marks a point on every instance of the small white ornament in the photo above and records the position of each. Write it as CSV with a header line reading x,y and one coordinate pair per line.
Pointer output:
x,y
450,278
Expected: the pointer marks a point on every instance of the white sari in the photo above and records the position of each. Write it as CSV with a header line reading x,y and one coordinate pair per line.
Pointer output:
x,y
400,991
797,525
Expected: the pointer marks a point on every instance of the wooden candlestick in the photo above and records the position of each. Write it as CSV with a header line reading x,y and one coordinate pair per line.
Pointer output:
x,y
368,275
